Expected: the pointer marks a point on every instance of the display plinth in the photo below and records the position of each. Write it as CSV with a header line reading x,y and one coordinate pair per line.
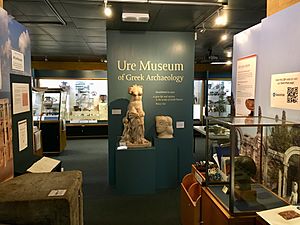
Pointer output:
x,y
135,170
166,162
25,199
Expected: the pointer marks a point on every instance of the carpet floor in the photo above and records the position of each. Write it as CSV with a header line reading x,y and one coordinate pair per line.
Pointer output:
x,y
102,204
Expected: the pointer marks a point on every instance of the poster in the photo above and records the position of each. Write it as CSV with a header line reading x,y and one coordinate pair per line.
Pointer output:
x,y
0,76
245,85
284,90
20,94
17,61
23,136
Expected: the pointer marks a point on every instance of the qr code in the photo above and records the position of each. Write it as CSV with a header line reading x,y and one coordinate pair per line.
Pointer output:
x,y
292,95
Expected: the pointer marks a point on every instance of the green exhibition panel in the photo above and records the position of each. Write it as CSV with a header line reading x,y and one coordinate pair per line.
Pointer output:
x,y
135,171
166,162
163,63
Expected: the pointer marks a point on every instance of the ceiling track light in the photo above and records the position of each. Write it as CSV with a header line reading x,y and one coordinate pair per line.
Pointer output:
x,y
202,30
107,9
220,20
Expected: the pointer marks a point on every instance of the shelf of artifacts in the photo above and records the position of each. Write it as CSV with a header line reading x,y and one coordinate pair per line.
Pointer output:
x,y
218,98
255,171
88,123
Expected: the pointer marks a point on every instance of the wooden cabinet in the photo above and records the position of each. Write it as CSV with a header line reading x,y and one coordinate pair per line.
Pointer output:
x,y
214,213
78,130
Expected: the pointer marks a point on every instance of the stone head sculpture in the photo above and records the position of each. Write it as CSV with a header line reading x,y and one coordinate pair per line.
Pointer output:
x,y
164,126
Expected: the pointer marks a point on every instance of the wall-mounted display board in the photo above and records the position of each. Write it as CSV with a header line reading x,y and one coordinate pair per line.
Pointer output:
x,y
162,62
6,153
245,85
22,129
284,91
276,54
15,46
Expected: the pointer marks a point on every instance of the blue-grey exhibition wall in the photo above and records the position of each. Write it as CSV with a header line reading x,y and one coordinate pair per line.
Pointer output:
x,y
276,44
173,96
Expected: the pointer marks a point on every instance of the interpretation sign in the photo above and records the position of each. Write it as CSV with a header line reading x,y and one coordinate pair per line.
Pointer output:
x,y
284,90
245,85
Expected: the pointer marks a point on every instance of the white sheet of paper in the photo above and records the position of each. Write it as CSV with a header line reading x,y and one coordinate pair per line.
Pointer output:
x,y
17,61
59,192
22,133
44,165
20,95
245,83
273,218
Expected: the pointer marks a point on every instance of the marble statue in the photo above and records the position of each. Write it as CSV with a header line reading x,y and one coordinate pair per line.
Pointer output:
x,y
294,195
164,126
133,133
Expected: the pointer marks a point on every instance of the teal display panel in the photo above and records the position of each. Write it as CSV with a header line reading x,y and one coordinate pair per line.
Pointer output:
x,y
163,63
23,158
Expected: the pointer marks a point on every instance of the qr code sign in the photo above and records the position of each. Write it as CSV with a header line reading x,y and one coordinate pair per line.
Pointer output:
x,y
292,95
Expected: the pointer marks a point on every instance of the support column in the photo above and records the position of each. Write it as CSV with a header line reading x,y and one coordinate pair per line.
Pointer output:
x,y
274,6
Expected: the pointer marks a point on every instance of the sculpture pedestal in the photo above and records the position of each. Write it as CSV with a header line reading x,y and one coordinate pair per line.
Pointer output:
x,y
135,170
166,162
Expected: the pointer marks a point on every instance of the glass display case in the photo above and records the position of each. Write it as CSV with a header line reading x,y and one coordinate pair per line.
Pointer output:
x,y
37,100
49,113
257,167
218,98
86,100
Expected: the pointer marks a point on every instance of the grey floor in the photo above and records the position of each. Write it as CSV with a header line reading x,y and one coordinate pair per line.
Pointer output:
x,y
103,205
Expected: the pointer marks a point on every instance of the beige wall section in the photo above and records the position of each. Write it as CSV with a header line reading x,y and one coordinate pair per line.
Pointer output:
x,y
1,3
274,6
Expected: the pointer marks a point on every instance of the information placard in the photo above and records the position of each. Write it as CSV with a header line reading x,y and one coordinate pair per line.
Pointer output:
x,y
245,85
20,94
284,90
17,61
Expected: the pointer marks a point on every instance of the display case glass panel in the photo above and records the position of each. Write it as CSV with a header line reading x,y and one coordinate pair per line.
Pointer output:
x,y
218,98
86,99
37,104
53,106
198,99
254,162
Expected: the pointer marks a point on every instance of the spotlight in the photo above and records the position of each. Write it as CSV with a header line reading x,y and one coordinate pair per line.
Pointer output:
x,y
202,30
224,37
107,9
221,20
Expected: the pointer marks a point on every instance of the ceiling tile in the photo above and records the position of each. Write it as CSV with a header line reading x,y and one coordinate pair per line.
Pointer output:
x,y
93,32
90,11
95,39
89,23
